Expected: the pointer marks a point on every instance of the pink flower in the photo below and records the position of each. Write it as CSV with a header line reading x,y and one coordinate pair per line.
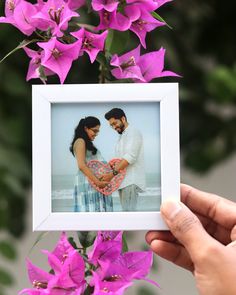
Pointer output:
x,y
35,64
113,20
112,287
108,5
75,4
152,65
107,246
54,14
145,23
149,5
126,65
91,43
58,57
19,13
140,68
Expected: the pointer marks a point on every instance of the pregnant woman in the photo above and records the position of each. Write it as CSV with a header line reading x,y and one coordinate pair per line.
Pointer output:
x,y
86,198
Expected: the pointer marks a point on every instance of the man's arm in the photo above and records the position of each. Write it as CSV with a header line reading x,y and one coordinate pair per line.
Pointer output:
x,y
132,151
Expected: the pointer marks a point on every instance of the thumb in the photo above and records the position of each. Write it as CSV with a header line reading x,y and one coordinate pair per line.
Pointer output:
x,y
186,227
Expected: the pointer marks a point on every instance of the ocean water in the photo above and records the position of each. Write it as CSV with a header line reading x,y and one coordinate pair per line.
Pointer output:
x,y
63,187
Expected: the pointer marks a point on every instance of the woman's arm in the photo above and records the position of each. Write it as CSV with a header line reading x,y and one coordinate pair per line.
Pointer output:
x,y
80,154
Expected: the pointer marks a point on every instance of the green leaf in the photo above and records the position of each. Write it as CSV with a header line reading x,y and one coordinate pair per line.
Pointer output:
x,y
5,278
89,290
72,242
116,41
23,44
86,238
8,250
125,247
158,17
145,291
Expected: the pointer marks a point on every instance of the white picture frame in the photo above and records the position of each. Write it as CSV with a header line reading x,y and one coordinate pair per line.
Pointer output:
x,y
44,96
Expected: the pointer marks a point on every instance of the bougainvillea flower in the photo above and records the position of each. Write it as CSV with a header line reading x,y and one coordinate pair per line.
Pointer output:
x,y
140,68
137,262
19,14
108,5
75,4
107,246
55,14
63,248
149,5
152,65
38,277
58,57
146,23
113,20
91,43
126,65
35,64
111,287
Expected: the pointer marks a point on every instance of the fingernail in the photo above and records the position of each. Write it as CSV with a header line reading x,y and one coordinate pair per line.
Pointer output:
x,y
170,209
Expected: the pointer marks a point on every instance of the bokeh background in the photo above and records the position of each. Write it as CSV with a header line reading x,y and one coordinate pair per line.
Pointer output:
x,y
201,47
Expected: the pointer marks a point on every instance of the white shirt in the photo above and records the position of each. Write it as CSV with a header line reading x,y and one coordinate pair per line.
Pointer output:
x,y
130,148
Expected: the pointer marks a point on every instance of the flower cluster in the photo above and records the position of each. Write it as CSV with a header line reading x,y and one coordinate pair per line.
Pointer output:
x,y
50,26
105,270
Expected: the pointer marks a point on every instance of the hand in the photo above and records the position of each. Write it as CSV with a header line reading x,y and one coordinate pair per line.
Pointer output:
x,y
202,240
101,184
107,177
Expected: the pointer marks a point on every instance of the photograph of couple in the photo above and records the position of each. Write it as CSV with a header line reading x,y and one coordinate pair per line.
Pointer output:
x,y
115,149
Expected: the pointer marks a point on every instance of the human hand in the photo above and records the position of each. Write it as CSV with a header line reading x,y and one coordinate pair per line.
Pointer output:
x,y
202,240
107,177
101,183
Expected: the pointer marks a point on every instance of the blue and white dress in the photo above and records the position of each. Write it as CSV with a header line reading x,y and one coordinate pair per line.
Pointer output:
x,y
86,198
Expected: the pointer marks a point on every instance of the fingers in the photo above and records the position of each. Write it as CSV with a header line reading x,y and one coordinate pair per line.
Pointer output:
x,y
233,234
216,208
172,252
186,227
159,235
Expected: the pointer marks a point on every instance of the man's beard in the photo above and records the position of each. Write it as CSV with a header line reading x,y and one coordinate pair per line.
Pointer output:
x,y
121,127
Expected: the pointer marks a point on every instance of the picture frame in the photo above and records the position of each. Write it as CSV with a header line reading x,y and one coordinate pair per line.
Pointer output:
x,y
44,100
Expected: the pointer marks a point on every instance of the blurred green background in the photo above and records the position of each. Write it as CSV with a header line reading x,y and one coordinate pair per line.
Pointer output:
x,y
201,47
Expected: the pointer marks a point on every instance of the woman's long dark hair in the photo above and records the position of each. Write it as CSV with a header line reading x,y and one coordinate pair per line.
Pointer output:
x,y
88,122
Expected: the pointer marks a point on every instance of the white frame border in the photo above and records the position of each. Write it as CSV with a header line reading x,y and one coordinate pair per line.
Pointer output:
x,y
42,98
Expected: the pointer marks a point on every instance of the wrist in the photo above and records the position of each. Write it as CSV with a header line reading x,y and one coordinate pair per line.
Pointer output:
x,y
114,172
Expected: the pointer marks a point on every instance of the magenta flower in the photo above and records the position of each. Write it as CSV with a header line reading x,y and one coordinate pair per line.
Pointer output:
x,y
39,279
58,57
126,65
91,43
35,64
149,5
71,275
110,286
19,13
54,14
152,65
69,272
140,68
108,5
113,20
107,246
75,4
145,23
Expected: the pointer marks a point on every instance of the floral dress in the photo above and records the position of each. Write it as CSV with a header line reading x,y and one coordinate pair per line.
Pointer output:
x,y
86,198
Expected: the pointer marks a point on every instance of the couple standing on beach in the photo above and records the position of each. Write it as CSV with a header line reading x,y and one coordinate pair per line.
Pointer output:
x,y
129,149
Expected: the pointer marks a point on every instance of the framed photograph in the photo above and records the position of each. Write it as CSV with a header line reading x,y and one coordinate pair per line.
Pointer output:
x,y
105,156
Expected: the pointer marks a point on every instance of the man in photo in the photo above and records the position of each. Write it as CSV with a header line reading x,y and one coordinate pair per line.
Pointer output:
x,y
130,150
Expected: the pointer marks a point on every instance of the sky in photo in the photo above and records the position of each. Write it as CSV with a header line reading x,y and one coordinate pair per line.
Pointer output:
x,y
145,116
